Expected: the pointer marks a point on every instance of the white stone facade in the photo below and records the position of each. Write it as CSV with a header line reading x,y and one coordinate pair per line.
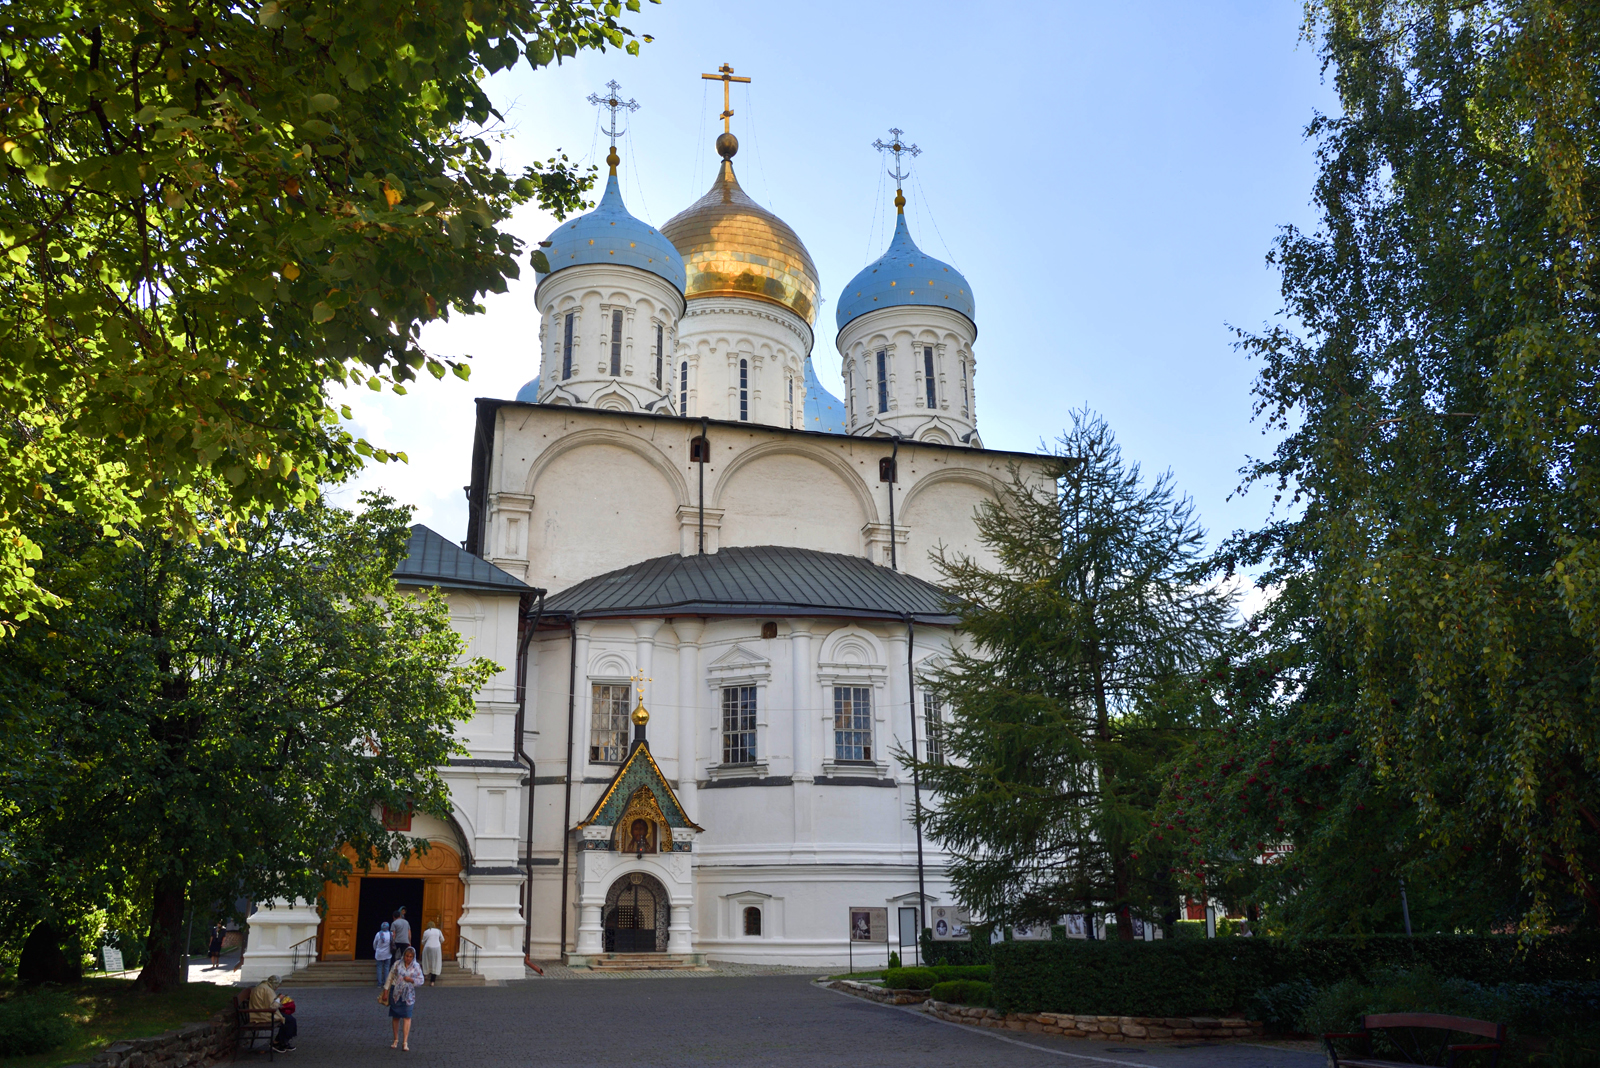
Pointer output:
x,y
745,360
586,360
904,399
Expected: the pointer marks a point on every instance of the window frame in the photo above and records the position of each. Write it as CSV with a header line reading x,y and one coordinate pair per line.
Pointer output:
x,y
744,921
883,381
683,388
624,687
933,727
660,336
744,390
745,704
616,342
566,346
931,385
855,728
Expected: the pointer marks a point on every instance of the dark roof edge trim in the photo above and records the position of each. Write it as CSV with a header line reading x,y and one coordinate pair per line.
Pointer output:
x,y
699,608
495,404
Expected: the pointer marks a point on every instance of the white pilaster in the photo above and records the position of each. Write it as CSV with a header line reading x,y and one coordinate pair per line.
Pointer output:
x,y
278,934
689,631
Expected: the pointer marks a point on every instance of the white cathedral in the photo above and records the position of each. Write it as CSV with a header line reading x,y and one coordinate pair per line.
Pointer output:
x,y
709,583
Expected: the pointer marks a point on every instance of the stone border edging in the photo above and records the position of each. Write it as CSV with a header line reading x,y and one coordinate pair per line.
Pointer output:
x,y
882,995
190,1046
1105,1028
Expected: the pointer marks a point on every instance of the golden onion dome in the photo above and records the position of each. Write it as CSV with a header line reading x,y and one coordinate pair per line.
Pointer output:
x,y
733,247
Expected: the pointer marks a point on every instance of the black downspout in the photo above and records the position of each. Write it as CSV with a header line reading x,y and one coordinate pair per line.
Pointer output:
x,y
705,454
522,755
566,819
916,778
894,473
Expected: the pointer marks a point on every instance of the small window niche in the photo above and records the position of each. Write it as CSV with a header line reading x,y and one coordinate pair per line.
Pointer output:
x,y
769,630
699,449
887,470
752,921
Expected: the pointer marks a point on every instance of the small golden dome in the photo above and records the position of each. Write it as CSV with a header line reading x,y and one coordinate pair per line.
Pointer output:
x,y
733,247
641,715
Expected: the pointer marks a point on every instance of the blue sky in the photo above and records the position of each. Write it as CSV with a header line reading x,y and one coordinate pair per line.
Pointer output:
x,y
1109,177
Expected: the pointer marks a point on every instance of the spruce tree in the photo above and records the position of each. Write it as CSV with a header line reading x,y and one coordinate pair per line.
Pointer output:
x,y
1071,687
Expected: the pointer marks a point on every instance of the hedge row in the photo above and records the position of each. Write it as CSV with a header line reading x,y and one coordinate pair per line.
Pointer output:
x,y
1213,977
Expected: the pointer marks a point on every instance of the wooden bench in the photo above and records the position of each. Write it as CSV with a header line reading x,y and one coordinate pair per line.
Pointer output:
x,y
1432,1046
250,1028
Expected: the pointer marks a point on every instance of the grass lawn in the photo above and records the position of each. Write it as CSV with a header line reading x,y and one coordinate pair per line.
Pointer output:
x,y
111,1010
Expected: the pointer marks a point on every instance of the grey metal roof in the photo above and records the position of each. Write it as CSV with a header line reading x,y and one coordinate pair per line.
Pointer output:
x,y
433,560
757,580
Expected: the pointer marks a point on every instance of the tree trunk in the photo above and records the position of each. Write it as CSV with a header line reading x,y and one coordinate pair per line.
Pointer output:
x,y
45,960
163,968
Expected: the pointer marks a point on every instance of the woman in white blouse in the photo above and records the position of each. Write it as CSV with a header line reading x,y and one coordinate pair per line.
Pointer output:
x,y
433,952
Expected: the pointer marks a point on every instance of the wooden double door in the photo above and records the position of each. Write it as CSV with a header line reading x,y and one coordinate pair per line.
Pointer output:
x,y
429,886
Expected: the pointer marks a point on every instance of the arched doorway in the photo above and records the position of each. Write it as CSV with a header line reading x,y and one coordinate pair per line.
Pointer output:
x,y
428,884
636,915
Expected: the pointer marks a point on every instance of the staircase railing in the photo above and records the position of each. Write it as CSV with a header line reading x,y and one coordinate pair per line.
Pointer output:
x,y
306,947
468,958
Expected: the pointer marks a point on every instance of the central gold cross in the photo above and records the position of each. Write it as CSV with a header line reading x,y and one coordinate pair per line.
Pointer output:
x,y
724,77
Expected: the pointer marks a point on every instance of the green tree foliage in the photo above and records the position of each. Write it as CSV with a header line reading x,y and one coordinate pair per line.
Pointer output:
x,y
212,214
205,722
1437,393
1073,690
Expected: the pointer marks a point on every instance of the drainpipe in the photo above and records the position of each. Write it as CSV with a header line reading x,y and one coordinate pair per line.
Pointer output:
x,y
566,819
894,473
531,624
916,778
705,456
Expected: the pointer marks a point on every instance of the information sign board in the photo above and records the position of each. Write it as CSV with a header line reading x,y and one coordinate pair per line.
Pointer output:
x,y
869,924
950,924
112,957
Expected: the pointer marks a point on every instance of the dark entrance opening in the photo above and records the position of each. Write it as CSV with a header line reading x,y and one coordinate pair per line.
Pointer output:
x,y
380,896
636,915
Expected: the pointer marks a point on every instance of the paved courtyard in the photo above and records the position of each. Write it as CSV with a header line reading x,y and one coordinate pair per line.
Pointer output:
x,y
775,1021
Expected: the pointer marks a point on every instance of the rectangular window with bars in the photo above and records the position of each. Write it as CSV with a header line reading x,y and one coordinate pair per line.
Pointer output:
x,y
616,342
883,380
927,377
933,720
566,347
608,725
683,388
658,355
738,724
852,723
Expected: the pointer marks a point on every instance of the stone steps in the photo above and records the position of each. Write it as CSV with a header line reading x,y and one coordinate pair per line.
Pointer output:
x,y
364,973
643,962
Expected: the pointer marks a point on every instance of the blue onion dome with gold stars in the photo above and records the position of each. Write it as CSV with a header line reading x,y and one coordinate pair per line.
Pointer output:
x,y
824,412
609,234
905,275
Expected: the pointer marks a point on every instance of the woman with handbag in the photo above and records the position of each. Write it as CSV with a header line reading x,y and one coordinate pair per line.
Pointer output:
x,y
400,994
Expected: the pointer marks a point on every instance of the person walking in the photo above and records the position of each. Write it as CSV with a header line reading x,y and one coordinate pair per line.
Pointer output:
x,y
400,932
381,952
433,953
401,989
214,950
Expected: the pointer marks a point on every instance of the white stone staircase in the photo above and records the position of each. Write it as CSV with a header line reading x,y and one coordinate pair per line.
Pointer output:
x,y
364,973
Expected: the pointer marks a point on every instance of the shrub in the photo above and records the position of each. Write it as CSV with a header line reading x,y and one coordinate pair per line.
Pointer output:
x,y
1189,929
949,972
977,951
35,1023
962,992
1209,977
1282,1006
910,978
894,960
